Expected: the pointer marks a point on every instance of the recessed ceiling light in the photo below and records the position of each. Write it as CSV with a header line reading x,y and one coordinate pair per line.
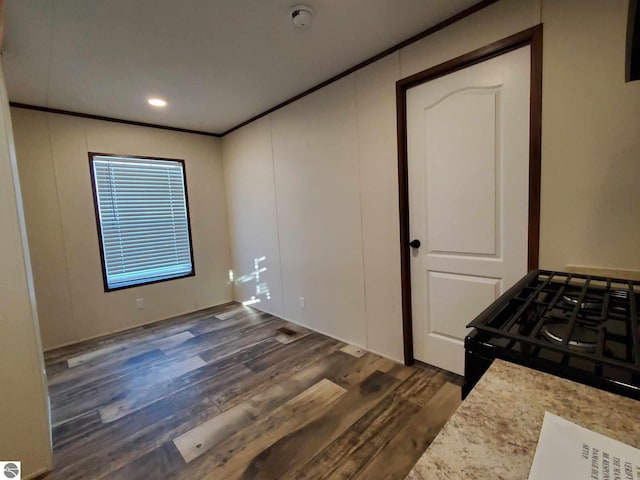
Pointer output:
x,y
157,102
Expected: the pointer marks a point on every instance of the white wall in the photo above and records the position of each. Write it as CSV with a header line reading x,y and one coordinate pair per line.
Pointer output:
x,y
590,139
376,102
334,158
54,171
312,188
24,423
251,200
319,211
320,144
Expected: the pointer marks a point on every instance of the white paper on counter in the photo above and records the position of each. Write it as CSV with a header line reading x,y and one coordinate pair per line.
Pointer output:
x,y
567,451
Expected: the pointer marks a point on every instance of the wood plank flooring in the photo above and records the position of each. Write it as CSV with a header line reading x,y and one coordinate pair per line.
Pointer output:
x,y
234,393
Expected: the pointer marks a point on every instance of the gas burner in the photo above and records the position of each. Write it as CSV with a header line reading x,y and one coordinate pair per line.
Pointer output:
x,y
595,300
591,301
583,339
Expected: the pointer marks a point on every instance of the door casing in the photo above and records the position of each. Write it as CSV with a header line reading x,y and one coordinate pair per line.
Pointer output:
x,y
531,37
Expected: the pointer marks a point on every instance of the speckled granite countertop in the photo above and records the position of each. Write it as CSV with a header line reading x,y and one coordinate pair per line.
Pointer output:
x,y
494,432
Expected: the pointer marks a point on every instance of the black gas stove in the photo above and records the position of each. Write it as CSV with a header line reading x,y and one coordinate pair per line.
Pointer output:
x,y
579,327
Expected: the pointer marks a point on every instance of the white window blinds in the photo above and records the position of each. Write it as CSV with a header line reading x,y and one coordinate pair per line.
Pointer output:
x,y
142,211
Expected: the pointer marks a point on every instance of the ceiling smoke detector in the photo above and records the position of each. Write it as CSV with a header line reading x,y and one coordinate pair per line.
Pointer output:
x,y
301,16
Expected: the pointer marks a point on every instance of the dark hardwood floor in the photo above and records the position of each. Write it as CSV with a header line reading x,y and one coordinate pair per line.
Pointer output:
x,y
233,393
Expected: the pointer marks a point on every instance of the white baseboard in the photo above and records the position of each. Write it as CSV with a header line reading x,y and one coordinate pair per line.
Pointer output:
x,y
330,335
137,325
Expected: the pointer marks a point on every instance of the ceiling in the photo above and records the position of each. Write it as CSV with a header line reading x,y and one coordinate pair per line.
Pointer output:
x,y
216,62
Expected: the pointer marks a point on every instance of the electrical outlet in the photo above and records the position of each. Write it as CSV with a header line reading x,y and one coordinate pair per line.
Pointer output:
x,y
301,302
140,303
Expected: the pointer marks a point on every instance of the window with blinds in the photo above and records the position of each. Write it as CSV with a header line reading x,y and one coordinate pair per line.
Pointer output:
x,y
143,220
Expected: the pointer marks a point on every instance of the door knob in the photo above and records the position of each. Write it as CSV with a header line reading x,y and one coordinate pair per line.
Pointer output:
x,y
415,243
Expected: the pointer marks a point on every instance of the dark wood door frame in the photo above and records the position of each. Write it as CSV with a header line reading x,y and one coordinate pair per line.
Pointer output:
x,y
531,37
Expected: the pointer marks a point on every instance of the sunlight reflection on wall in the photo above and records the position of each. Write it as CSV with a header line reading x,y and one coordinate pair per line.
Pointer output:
x,y
261,287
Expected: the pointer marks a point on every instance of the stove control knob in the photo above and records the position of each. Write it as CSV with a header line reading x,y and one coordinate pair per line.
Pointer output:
x,y
415,243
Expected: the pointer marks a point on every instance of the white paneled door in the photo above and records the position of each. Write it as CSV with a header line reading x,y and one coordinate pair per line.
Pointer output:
x,y
468,161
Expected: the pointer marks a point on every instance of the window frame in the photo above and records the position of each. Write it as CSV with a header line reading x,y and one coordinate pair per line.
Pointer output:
x,y
96,210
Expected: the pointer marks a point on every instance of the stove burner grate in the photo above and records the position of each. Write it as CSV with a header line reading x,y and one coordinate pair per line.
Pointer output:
x,y
593,318
581,327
